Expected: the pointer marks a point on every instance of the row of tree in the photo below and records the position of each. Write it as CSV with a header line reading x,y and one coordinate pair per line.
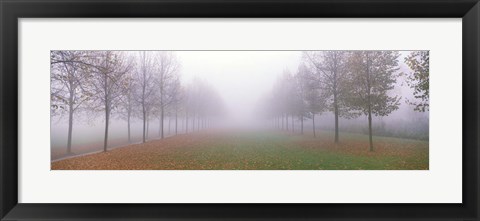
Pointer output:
x,y
348,84
127,85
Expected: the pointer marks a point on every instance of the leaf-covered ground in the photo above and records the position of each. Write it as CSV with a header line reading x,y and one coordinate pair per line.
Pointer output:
x,y
237,150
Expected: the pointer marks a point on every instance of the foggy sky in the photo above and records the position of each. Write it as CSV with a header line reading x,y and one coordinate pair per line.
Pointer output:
x,y
244,77
241,77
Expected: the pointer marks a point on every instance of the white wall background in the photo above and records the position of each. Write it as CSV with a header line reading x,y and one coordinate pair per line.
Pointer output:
x,y
441,184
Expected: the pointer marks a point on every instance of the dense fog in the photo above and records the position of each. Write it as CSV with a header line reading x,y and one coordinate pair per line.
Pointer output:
x,y
211,90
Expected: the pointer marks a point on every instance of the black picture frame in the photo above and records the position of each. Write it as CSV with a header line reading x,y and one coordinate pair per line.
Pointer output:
x,y
12,10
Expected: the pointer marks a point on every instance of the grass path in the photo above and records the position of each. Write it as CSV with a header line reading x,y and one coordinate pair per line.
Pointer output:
x,y
241,150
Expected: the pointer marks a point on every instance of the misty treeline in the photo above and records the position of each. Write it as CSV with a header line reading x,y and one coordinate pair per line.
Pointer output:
x,y
129,85
348,84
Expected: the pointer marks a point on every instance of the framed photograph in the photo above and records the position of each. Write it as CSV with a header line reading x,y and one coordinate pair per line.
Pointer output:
x,y
239,110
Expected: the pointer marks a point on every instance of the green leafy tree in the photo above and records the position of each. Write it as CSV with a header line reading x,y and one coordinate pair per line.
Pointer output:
x,y
109,80
166,81
418,79
315,99
373,74
302,81
330,68
69,93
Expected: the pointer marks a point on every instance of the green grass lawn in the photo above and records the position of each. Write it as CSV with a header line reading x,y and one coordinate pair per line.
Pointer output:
x,y
241,150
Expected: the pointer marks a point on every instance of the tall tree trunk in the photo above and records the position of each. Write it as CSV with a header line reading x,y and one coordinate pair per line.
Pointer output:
x,y
144,110
148,127
186,122
313,120
128,125
286,123
107,119
335,101
162,106
169,122
370,127
301,132
335,106
144,125
107,111
161,121
159,127
176,121
293,123
193,122
70,126
369,105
